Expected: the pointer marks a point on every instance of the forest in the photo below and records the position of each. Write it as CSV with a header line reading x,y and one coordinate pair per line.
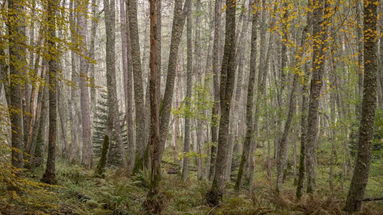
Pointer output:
x,y
205,107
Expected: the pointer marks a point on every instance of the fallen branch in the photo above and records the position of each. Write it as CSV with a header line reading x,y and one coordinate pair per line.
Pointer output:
x,y
372,199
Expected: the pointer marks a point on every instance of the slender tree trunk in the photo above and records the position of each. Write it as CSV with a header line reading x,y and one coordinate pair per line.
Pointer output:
x,y
114,126
17,55
282,146
74,97
303,118
215,109
189,80
92,69
250,101
153,204
166,104
319,44
128,80
214,196
366,131
87,148
138,84
50,175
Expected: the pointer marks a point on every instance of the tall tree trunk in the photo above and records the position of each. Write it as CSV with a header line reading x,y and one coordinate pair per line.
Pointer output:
x,y
250,100
74,97
215,109
166,104
282,146
366,131
87,148
303,118
50,175
92,69
319,43
138,84
128,84
17,55
153,205
114,126
189,80
214,196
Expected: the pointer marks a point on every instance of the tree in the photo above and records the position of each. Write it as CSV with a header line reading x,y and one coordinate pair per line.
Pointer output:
x,y
87,150
114,127
303,118
366,131
153,203
49,175
166,103
17,66
214,196
128,83
250,100
215,109
320,23
138,85
189,80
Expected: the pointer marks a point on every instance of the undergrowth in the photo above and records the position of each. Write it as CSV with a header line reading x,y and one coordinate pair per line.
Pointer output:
x,y
81,193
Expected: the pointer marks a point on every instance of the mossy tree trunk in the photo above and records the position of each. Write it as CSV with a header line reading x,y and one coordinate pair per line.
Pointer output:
x,y
366,131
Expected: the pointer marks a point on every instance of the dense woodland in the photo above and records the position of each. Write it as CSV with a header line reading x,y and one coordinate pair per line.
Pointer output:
x,y
191,107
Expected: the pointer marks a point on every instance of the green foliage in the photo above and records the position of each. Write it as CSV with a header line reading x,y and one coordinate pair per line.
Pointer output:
x,y
75,173
196,106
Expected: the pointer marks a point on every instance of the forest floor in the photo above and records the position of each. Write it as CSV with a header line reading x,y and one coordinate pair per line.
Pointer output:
x,y
79,192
